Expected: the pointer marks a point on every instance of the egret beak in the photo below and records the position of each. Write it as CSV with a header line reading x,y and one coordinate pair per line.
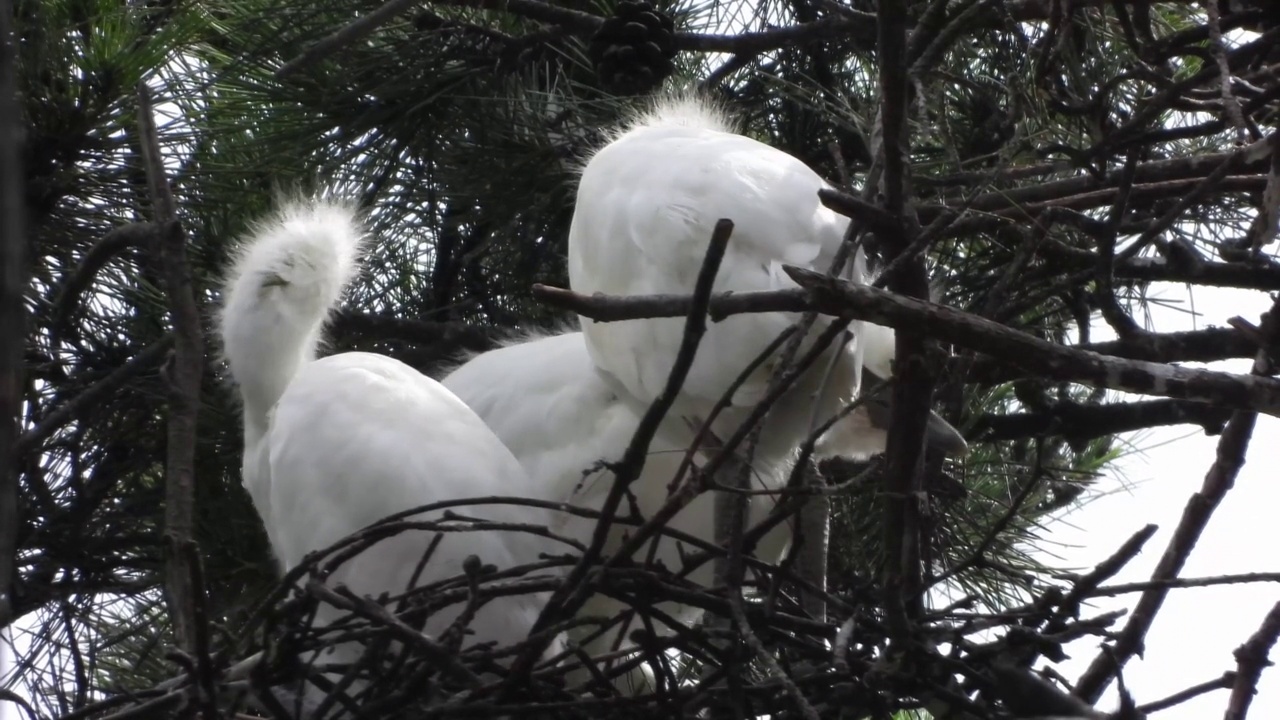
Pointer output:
x,y
938,433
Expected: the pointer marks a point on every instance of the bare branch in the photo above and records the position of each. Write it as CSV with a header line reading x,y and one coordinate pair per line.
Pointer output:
x,y
1251,660
13,289
184,382
1078,421
1038,356
1017,349
573,592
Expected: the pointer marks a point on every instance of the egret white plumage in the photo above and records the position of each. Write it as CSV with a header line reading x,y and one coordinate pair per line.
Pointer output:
x,y
646,206
332,445
542,396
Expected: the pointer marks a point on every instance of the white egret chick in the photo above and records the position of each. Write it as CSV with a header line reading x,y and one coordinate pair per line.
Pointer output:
x,y
332,445
646,206
543,397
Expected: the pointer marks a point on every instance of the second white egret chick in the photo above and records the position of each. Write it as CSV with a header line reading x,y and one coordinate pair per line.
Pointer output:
x,y
543,397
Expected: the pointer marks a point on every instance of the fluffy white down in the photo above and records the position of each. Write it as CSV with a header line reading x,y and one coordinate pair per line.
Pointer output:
x,y
544,399
646,206
335,444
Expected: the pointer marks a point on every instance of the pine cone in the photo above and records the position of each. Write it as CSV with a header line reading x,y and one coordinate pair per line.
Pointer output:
x,y
633,50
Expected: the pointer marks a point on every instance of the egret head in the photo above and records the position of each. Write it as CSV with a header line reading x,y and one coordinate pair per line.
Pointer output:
x,y
879,349
938,433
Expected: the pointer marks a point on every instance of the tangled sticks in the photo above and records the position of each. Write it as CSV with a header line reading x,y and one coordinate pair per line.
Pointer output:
x,y
816,669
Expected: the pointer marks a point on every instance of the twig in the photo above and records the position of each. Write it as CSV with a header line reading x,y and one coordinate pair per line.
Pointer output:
x,y
370,610
1190,693
359,28
1251,660
573,592
1230,104
1178,209
575,20
771,663
183,379
13,288
1242,578
1200,507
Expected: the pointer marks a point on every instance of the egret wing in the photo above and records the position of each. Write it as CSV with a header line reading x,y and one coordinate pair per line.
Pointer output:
x,y
356,437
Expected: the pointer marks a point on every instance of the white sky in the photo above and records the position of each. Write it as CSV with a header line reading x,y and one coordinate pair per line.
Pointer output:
x,y
1198,628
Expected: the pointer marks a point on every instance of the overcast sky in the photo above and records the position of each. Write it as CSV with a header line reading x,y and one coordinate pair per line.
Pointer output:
x,y
1198,628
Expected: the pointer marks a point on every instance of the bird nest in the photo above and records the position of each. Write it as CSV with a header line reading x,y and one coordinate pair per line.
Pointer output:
x,y
755,651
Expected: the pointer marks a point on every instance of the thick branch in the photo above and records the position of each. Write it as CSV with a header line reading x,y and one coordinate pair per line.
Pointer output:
x,y
1208,345
1249,160
1251,659
1010,347
13,287
1248,276
1038,356
184,379
912,392
1078,422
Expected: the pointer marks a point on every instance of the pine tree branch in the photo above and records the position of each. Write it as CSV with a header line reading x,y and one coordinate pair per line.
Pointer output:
x,y
1008,346
13,289
903,573
1037,356
68,411
184,379
1204,346
120,239
1251,659
1078,422
1249,160
443,342
359,28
